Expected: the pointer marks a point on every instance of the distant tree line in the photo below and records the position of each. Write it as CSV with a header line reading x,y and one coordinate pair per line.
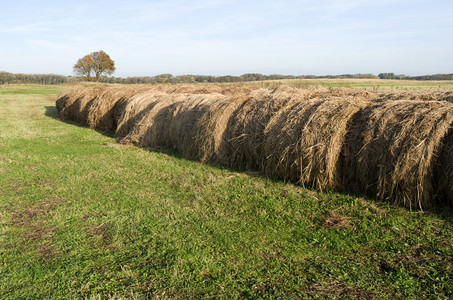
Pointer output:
x,y
422,77
169,78
10,78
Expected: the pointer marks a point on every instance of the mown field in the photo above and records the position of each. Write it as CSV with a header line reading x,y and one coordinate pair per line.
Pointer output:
x,y
84,217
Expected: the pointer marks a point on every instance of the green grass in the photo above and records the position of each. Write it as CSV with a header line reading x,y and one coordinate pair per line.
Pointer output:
x,y
27,89
84,217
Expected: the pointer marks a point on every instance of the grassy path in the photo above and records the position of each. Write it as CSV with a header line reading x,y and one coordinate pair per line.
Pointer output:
x,y
84,217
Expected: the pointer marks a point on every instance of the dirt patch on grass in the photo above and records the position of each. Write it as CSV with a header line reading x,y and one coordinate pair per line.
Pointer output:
x,y
334,220
336,289
100,231
102,234
34,225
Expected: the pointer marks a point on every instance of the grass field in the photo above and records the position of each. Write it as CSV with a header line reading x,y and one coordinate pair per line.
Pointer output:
x,y
84,217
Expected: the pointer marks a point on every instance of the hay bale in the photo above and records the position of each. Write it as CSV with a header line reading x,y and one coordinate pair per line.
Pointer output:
x,y
74,104
184,124
192,124
245,129
146,119
131,112
102,114
443,171
303,141
205,139
391,150
199,124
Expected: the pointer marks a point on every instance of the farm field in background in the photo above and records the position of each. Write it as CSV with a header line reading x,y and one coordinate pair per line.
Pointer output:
x,y
369,84
83,216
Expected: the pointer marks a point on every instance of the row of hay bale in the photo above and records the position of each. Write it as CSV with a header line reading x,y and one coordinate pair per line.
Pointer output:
x,y
329,139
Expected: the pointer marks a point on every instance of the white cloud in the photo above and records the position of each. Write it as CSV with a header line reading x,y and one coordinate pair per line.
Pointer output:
x,y
48,46
25,29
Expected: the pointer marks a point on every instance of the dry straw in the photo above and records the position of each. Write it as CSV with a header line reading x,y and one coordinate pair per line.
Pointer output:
x,y
198,126
133,110
303,141
397,147
392,147
74,104
146,119
103,113
245,129
443,172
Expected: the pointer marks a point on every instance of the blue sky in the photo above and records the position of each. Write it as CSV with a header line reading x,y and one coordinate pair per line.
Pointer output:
x,y
217,37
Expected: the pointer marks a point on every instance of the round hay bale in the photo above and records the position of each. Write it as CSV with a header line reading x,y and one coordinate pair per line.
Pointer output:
x,y
391,149
146,121
74,104
303,141
443,171
132,111
210,130
102,115
245,130
198,126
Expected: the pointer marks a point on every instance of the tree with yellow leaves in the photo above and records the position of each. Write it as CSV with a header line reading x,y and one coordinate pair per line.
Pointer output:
x,y
96,63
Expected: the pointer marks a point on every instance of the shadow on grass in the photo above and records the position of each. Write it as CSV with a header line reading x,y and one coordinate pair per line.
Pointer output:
x,y
441,210
52,112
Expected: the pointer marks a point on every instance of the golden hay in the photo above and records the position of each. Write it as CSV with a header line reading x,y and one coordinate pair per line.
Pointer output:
x,y
103,113
133,110
398,147
194,89
443,171
74,104
231,90
417,95
245,130
209,88
184,125
391,150
303,141
200,127
146,119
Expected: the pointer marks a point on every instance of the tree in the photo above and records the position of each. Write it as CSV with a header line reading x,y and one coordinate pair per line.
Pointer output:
x,y
96,63
387,75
